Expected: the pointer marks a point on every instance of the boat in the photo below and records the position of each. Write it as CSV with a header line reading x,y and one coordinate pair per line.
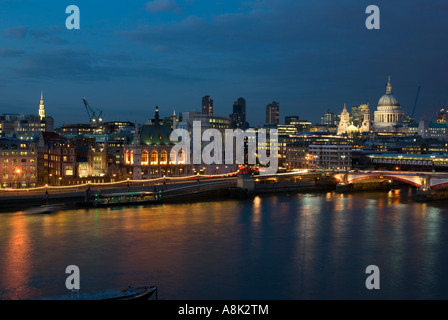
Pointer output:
x,y
126,198
45,209
128,293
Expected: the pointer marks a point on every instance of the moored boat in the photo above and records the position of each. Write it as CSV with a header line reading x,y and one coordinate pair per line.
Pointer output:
x,y
128,293
126,198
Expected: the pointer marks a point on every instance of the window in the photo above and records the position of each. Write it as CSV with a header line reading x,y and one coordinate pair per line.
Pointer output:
x,y
154,157
145,158
181,157
163,157
68,170
173,157
126,157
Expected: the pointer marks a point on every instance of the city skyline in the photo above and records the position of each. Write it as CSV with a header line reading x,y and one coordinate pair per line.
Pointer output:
x,y
129,57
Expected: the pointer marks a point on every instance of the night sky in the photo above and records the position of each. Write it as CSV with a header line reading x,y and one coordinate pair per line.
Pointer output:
x,y
309,55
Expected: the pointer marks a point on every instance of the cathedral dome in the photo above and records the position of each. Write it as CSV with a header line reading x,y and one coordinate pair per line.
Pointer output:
x,y
388,100
389,114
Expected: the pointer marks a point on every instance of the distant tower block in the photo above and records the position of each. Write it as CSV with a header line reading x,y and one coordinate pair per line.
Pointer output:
x,y
42,107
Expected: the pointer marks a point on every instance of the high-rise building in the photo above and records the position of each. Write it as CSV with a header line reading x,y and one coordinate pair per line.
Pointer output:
x,y
294,120
207,105
272,113
329,119
238,117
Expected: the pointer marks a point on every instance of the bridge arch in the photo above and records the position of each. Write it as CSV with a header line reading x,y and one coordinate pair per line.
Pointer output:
x,y
416,182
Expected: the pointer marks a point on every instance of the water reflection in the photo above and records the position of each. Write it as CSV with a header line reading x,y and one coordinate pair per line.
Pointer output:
x,y
16,260
297,246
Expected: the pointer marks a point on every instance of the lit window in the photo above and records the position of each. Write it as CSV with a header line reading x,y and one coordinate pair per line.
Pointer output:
x,y
145,158
163,157
173,157
154,157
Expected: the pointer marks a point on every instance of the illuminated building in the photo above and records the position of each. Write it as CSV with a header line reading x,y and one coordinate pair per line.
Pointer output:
x,y
118,126
329,119
325,156
272,113
357,114
149,154
19,163
442,115
207,105
427,129
389,115
294,120
26,126
238,117
347,126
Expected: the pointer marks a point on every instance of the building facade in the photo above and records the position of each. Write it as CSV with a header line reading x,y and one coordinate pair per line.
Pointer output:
x,y
19,164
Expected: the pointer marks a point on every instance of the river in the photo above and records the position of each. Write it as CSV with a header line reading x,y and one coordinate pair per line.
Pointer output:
x,y
287,247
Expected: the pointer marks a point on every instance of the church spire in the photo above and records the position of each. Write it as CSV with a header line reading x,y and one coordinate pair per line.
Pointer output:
x,y
156,117
42,106
389,87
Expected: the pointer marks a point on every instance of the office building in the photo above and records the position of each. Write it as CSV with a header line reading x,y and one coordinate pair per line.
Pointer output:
x,y
272,113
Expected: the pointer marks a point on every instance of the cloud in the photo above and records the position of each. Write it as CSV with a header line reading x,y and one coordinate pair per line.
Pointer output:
x,y
157,6
16,32
79,64
47,35
11,53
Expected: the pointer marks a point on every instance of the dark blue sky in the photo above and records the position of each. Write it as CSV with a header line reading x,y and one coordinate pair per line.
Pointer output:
x,y
309,55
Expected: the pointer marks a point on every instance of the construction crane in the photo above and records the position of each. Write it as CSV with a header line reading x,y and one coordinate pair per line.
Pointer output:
x,y
415,103
94,119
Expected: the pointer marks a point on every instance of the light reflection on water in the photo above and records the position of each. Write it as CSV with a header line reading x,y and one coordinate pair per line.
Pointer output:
x,y
307,246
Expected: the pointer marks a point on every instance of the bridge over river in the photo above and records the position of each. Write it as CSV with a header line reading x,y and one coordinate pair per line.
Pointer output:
x,y
430,185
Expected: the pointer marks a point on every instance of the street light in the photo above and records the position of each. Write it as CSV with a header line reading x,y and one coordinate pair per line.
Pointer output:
x,y
371,161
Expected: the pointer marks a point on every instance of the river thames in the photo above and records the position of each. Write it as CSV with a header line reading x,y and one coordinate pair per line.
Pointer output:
x,y
286,247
